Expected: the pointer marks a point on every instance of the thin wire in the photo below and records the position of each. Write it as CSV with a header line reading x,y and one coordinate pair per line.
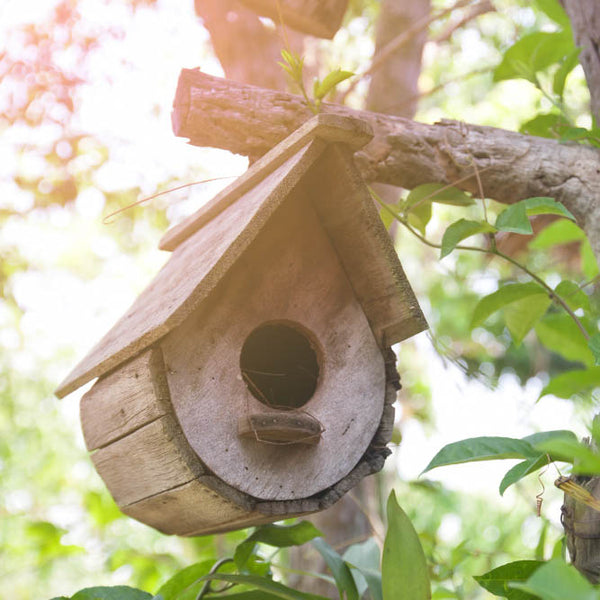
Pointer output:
x,y
107,220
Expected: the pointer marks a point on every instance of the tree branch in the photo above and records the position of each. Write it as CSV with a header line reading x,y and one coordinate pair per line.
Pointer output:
x,y
247,120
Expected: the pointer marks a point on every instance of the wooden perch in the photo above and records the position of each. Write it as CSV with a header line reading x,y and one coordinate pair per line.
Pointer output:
x,y
247,120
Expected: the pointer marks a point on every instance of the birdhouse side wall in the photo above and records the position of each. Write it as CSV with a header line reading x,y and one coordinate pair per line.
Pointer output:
x,y
140,453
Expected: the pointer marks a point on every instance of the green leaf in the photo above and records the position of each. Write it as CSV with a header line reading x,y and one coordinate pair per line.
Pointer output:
x,y
584,459
283,536
515,218
566,66
566,385
559,333
459,231
521,316
363,560
420,216
331,80
541,545
549,125
594,345
546,206
404,568
502,297
543,436
555,11
557,233
181,585
533,53
521,470
440,193
117,592
481,448
556,580
498,581
279,536
589,264
573,295
338,567
266,585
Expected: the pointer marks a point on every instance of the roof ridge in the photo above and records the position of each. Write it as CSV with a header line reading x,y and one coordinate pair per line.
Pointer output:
x,y
332,128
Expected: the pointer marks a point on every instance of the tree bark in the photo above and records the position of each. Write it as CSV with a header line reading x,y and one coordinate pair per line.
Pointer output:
x,y
247,50
247,120
585,21
394,86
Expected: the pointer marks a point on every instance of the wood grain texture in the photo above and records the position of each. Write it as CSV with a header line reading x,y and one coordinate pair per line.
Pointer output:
x,y
330,128
290,274
321,18
192,272
280,427
370,261
191,509
125,400
248,120
148,461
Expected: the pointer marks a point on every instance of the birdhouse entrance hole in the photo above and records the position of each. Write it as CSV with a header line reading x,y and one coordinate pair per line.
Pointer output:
x,y
279,365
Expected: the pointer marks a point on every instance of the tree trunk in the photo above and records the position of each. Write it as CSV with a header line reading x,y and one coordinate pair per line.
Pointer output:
x,y
581,522
585,21
247,50
248,120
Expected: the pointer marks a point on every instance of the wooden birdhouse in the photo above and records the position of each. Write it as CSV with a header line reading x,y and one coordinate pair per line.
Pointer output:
x,y
253,379
321,18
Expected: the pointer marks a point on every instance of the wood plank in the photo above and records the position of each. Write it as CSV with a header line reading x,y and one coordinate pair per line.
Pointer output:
x,y
194,269
329,128
344,205
148,461
125,400
321,18
189,509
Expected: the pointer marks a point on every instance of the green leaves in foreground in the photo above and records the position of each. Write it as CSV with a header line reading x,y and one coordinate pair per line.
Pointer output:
x,y
461,230
556,580
404,568
515,218
534,449
500,581
116,592
537,580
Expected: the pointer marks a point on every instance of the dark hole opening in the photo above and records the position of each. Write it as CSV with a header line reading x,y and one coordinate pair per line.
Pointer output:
x,y
279,366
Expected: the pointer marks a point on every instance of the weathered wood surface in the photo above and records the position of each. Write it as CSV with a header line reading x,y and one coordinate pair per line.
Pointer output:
x,y
125,400
189,276
192,509
344,205
290,274
321,18
247,120
280,427
329,128
146,462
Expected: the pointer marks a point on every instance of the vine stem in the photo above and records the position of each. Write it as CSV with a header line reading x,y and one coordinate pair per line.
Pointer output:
x,y
493,251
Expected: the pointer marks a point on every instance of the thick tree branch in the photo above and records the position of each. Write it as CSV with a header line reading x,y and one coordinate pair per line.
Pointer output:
x,y
247,120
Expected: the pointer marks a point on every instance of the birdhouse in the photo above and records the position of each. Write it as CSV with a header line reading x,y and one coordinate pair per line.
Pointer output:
x,y
321,18
253,379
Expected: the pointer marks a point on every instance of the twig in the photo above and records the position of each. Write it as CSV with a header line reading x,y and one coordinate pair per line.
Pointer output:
x,y
399,41
475,11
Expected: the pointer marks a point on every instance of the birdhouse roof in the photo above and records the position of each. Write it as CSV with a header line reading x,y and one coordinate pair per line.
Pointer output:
x,y
317,158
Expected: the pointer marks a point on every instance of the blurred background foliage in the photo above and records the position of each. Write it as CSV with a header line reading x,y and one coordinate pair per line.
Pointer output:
x,y
84,128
